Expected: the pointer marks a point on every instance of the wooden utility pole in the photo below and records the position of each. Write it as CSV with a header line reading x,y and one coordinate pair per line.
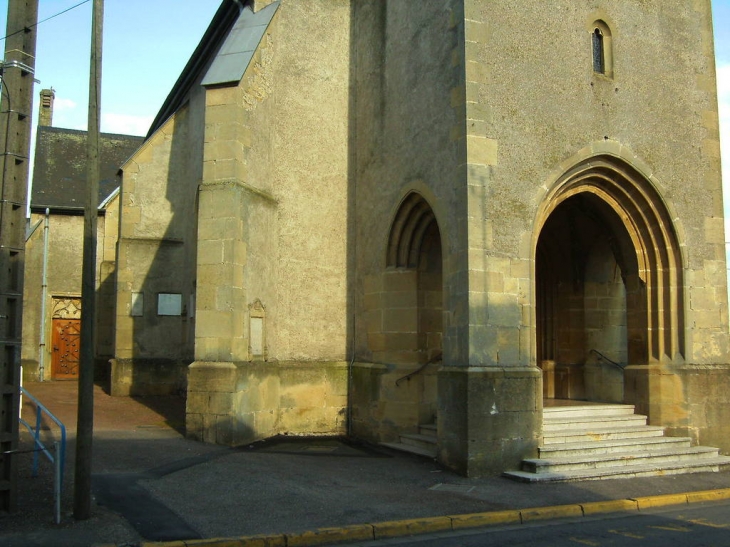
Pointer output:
x,y
18,66
85,423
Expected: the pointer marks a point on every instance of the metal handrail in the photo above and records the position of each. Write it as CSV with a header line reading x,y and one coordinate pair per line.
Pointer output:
x,y
601,356
408,376
59,448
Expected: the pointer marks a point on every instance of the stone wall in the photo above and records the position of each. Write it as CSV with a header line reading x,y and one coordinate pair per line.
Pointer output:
x,y
156,279
545,106
65,257
386,402
522,111
406,121
707,389
444,134
238,403
150,376
272,322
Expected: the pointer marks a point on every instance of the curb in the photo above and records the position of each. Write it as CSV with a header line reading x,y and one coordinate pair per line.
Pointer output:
x,y
410,527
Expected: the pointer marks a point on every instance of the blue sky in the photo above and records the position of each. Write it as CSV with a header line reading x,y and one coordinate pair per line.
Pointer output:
x,y
721,17
147,43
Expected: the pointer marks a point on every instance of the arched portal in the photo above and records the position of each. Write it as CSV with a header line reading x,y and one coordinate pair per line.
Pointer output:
x,y
414,256
411,308
608,281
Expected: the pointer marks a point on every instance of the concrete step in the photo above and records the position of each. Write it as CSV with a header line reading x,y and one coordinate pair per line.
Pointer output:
x,y
411,449
620,459
560,412
590,422
568,450
427,429
592,442
422,441
602,434
703,465
402,447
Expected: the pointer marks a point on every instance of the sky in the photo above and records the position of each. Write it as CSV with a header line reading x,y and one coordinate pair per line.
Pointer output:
x,y
147,43
721,19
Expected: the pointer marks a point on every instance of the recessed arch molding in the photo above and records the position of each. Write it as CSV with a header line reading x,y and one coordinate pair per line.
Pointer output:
x,y
408,231
658,333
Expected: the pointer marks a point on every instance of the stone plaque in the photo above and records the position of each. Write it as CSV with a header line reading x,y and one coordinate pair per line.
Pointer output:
x,y
257,335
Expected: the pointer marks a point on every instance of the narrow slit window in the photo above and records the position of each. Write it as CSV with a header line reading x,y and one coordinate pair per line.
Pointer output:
x,y
602,48
599,54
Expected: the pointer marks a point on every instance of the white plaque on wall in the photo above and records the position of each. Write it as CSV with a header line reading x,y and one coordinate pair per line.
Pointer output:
x,y
257,335
169,304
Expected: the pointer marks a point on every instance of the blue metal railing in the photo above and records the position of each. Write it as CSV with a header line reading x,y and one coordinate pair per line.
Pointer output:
x,y
59,456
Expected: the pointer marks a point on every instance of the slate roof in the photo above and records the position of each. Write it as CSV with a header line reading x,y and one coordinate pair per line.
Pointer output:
x,y
59,176
237,51
222,55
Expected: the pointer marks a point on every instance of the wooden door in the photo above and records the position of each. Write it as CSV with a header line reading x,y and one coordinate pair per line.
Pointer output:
x,y
65,350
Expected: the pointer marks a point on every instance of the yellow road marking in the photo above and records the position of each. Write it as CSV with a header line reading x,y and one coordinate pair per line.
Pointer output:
x,y
671,528
585,542
705,522
626,534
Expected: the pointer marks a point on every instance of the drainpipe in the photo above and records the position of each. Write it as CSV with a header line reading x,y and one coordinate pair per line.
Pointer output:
x,y
44,295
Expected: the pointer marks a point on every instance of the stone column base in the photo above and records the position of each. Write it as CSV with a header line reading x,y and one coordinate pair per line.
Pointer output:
x,y
657,391
687,400
490,418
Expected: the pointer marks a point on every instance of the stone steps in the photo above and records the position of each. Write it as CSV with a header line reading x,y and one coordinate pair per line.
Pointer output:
x,y
422,443
600,422
603,434
709,465
616,459
563,450
593,442
557,412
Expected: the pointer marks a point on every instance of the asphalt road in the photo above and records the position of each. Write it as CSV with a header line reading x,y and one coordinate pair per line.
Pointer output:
x,y
687,526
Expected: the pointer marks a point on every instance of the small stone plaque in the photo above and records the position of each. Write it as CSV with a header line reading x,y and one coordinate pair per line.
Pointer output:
x,y
257,335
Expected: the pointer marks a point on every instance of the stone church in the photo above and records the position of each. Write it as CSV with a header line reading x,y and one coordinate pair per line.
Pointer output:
x,y
360,218
54,255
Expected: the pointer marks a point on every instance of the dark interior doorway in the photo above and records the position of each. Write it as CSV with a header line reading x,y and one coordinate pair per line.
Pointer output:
x,y
587,274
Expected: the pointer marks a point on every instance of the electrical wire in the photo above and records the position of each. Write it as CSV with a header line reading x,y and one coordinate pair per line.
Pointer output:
x,y
46,19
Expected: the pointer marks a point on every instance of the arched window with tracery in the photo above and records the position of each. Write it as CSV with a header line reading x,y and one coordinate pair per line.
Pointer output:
x,y
602,49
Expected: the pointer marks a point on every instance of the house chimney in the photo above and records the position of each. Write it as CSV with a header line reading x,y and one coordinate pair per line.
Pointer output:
x,y
45,116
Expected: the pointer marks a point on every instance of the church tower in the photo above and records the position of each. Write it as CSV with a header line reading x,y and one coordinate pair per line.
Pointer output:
x,y
551,176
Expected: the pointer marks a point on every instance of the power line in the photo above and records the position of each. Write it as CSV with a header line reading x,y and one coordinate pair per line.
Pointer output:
x,y
46,19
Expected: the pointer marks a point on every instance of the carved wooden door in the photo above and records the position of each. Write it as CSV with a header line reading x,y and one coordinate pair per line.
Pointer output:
x,y
65,349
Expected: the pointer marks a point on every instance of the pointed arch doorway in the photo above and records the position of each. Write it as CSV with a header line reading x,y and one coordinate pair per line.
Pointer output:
x,y
608,284
413,306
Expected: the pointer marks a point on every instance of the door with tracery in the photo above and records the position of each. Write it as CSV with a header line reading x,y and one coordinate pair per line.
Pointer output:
x,y
66,336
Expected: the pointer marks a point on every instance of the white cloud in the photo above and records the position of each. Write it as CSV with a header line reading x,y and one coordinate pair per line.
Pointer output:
x,y
61,104
125,124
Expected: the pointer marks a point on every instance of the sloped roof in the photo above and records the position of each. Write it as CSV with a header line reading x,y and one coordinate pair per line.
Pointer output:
x,y
222,55
59,175
237,51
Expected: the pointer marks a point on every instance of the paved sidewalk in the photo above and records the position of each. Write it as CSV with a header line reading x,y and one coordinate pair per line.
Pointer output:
x,y
151,484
